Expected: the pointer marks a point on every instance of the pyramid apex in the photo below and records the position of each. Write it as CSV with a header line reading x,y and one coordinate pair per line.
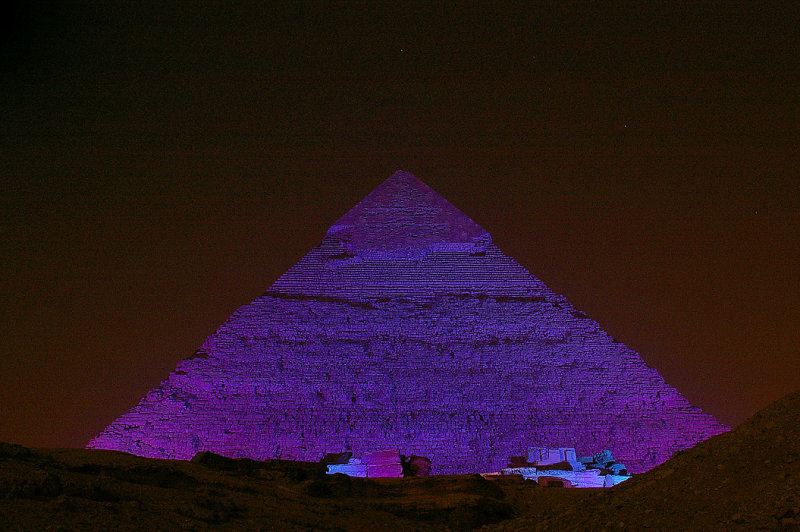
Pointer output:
x,y
405,213
403,174
405,178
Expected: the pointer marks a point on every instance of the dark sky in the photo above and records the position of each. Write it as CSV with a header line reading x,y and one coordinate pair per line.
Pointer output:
x,y
164,162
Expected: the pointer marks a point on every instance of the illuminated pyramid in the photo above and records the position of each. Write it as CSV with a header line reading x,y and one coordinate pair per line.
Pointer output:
x,y
407,328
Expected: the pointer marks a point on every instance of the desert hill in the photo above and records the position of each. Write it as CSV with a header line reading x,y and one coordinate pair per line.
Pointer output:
x,y
748,478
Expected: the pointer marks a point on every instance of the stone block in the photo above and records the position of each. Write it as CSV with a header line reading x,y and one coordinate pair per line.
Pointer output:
x,y
352,470
382,457
388,470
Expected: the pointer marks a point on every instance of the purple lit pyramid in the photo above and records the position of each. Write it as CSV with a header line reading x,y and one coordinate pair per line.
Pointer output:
x,y
407,328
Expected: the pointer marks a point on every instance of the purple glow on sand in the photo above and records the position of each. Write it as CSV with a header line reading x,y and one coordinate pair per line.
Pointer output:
x,y
407,328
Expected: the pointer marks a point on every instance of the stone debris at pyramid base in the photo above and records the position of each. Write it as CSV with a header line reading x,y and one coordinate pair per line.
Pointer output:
x,y
386,463
559,467
549,467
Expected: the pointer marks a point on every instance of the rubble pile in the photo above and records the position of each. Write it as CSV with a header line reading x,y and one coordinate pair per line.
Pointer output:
x,y
559,467
386,463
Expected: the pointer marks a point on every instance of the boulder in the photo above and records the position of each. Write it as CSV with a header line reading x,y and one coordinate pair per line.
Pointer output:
x,y
603,457
336,458
416,466
384,463
618,469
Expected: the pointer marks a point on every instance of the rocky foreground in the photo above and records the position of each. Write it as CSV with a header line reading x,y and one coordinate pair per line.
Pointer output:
x,y
92,489
748,478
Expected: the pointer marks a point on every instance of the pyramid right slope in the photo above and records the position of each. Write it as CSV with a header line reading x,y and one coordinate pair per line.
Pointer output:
x,y
407,328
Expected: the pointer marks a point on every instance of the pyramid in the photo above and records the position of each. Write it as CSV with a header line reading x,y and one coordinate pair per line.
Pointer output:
x,y
407,328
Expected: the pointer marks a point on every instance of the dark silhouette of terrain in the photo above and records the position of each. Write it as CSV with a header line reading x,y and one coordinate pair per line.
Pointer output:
x,y
748,478
43,489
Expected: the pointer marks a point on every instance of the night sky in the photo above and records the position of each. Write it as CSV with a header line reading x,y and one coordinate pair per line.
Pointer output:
x,y
162,163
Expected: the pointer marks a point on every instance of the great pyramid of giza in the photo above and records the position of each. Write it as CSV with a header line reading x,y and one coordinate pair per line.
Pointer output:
x,y
407,328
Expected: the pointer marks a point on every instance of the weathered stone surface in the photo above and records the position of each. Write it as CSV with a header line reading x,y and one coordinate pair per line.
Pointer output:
x,y
603,458
384,463
416,466
407,328
351,470
567,478
336,458
543,456
617,469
